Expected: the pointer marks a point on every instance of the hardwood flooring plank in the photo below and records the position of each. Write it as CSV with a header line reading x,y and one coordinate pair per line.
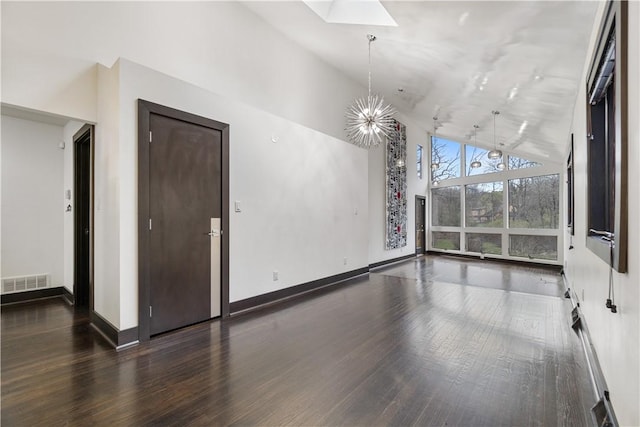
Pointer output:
x,y
431,341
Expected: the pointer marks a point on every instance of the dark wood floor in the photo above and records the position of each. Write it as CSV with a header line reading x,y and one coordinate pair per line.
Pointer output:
x,y
435,341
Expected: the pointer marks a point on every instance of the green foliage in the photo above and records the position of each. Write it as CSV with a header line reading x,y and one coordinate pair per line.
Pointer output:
x,y
444,244
446,240
534,202
484,243
490,248
446,206
484,205
534,247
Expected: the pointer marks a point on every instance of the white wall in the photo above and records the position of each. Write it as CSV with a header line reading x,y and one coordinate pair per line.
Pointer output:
x,y
49,52
223,48
377,190
299,195
107,184
616,337
32,199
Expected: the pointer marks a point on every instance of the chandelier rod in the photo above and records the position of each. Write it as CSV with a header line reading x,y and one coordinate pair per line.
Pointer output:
x,y
371,38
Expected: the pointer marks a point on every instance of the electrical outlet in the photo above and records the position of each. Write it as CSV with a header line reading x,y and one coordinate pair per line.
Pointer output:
x,y
275,275
345,260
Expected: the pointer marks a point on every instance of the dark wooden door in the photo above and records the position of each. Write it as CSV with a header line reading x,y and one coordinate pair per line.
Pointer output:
x,y
185,166
420,224
82,217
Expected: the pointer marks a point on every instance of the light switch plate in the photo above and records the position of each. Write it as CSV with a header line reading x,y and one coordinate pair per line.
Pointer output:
x,y
237,206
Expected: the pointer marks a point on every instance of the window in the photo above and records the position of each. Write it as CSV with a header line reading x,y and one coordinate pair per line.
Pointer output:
x,y
483,205
602,147
419,160
484,243
446,240
445,206
473,154
533,247
512,213
445,159
533,202
570,192
519,163
607,140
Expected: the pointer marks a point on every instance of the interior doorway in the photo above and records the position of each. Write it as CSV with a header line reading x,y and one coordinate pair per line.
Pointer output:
x,y
183,209
83,142
420,224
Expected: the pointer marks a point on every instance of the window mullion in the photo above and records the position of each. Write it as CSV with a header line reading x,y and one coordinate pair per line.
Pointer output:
x,y
505,216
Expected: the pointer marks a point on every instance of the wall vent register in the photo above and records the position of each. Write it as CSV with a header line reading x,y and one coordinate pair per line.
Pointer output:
x,y
24,283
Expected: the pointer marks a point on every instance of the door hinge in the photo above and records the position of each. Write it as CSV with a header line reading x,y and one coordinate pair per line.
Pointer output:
x,y
150,225
150,136
150,311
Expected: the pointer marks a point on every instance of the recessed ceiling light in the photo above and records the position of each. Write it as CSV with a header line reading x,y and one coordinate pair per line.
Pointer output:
x,y
463,18
523,126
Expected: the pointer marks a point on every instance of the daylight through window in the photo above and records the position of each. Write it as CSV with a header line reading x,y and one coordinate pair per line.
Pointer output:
x,y
512,213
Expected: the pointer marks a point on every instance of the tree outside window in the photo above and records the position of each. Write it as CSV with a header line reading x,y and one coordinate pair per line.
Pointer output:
x,y
534,202
445,159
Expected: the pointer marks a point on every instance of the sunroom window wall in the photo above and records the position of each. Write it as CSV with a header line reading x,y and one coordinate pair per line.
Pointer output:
x,y
508,214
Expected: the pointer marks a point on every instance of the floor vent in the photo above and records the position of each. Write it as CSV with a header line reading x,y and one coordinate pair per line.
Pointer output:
x,y
24,283
601,414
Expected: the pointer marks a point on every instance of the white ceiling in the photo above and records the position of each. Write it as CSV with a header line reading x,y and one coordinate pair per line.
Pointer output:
x,y
459,60
33,115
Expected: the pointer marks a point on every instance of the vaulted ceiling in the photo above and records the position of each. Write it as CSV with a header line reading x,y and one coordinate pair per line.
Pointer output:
x,y
459,60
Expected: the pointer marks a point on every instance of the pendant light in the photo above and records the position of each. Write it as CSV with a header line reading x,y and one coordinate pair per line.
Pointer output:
x,y
476,163
495,153
368,119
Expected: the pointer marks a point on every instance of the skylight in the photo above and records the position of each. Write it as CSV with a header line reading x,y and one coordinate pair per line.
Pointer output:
x,y
363,12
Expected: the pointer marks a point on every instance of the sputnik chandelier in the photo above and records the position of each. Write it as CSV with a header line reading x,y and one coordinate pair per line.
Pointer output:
x,y
369,119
